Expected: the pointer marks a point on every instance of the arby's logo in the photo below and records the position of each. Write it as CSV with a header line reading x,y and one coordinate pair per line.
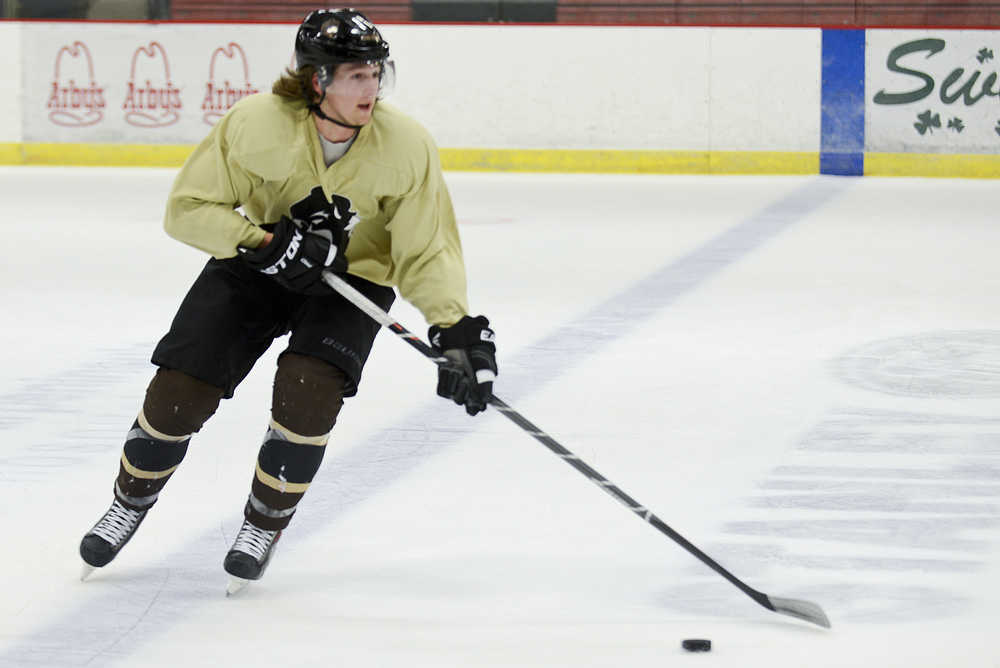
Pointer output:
x,y
228,82
75,99
151,98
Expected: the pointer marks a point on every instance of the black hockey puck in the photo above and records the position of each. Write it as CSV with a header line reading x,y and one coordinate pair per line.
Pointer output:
x,y
697,645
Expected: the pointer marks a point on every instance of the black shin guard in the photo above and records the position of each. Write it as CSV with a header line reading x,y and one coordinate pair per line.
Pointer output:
x,y
285,469
176,406
146,465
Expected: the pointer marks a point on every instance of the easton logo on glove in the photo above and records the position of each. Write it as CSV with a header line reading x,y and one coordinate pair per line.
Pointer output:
x,y
311,240
290,252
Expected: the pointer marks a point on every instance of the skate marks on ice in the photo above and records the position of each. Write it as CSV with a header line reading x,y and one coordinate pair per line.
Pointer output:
x,y
144,607
885,514
58,394
54,422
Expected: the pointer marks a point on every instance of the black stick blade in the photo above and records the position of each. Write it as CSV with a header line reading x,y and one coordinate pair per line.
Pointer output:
x,y
804,610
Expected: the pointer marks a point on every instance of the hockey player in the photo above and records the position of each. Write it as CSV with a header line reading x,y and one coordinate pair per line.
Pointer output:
x,y
318,162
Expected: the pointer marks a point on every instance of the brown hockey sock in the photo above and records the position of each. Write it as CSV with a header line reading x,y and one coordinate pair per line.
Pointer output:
x,y
308,395
176,406
286,465
148,460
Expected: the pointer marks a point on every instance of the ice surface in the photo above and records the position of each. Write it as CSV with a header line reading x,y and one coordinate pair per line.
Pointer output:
x,y
801,375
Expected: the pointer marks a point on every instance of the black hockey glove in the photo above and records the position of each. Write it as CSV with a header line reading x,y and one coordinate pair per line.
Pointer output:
x,y
468,377
297,258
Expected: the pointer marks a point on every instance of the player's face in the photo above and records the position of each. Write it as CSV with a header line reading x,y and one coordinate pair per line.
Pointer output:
x,y
350,97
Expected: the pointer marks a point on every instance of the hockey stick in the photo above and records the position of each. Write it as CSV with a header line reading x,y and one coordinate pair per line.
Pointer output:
x,y
804,610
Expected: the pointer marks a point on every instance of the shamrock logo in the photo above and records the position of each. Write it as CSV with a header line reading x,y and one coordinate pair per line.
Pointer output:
x,y
984,55
956,124
927,121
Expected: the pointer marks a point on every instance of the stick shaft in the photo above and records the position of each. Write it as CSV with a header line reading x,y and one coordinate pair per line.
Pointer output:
x,y
813,613
595,477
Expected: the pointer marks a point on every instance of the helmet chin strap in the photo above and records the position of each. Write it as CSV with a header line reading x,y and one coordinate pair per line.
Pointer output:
x,y
314,107
319,112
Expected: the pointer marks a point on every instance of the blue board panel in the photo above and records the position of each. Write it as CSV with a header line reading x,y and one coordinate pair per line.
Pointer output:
x,y
842,124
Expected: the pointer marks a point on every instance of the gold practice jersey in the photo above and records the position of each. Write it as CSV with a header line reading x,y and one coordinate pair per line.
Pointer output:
x,y
265,155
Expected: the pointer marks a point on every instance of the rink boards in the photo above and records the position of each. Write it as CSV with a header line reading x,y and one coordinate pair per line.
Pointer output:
x,y
642,99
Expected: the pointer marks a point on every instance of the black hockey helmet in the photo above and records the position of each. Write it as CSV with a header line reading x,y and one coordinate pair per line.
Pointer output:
x,y
333,36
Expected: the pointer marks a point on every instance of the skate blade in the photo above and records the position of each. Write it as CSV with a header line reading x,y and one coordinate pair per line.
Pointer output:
x,y
235,585
86,571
